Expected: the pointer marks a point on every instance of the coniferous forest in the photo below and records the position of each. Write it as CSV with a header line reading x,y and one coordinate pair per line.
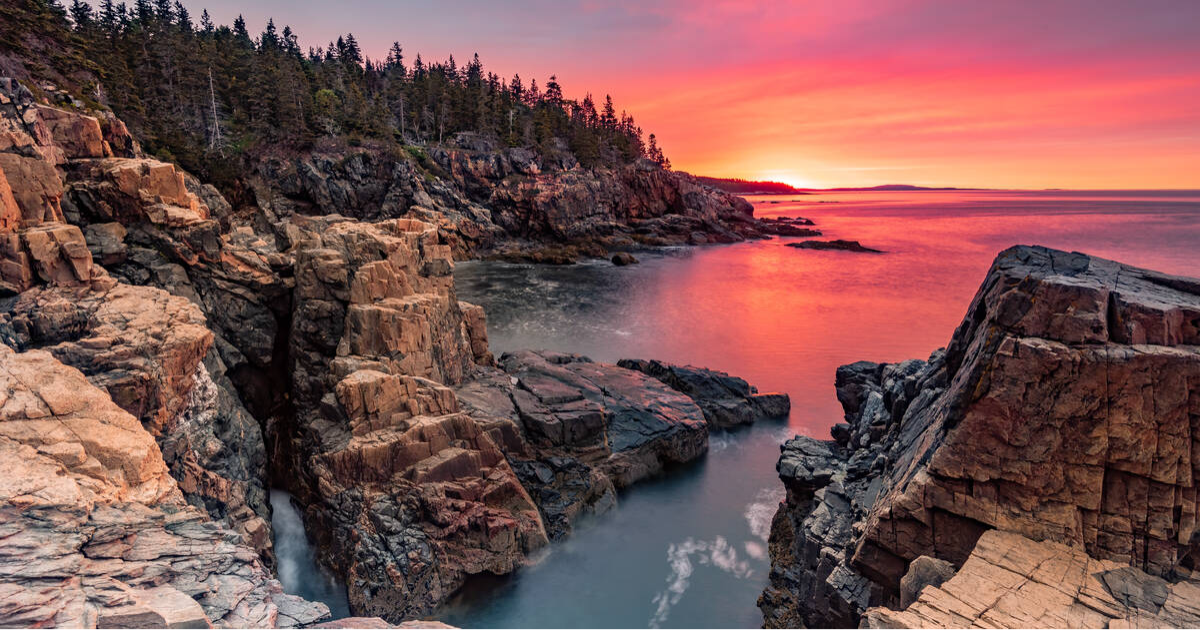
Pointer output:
x,y
203,94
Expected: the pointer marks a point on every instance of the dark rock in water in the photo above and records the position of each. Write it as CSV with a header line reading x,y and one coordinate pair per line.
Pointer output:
x,y
584,429
1059,412
620,421
834,245
726,400
564,489
790,227
624,259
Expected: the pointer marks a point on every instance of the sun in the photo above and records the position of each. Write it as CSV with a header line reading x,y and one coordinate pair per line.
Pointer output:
x,y
787,178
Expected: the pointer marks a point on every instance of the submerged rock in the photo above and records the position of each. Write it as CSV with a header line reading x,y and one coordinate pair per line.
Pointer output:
x,y
1058,412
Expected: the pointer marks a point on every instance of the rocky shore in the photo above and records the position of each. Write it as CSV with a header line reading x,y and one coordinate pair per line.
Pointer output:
x,y
166,358
1037,472
508,203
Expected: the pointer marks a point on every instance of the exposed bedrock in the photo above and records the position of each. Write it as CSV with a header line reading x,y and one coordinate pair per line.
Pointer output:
x,y
96,531
583,429
406,494
1064,410
170,356
512,203
726,400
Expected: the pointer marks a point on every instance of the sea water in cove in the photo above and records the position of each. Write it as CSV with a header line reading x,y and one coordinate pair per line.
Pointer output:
x,y
689,549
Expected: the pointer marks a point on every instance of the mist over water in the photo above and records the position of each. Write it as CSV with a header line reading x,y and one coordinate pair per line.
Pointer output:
x,y
689,549
298,568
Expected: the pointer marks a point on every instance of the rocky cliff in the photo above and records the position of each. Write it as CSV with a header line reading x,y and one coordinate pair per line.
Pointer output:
x,y
511,203
1064,410
170,357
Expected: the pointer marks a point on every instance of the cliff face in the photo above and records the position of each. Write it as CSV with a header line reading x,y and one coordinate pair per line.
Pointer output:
x,y
171,357
1063,410
511,203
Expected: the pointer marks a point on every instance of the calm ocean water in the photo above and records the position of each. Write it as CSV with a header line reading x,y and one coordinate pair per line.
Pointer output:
x,y
689,550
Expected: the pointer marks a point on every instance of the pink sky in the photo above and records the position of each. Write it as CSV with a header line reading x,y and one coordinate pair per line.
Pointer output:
x,y
1072,94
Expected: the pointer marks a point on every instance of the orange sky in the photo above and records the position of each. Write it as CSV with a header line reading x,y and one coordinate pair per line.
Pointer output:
x,y
1047,93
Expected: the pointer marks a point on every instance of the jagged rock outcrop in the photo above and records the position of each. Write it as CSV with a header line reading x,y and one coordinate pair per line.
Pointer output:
x,y
406,494
96,532
726,400
1012,582
512,203
1062,410
584,429
149,350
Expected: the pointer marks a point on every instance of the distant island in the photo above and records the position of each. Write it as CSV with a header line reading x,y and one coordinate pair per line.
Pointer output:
x,y
742,187
895,188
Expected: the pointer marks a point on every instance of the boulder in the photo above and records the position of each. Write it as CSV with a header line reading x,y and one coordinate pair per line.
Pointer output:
x,y
925,571
833,245
623,259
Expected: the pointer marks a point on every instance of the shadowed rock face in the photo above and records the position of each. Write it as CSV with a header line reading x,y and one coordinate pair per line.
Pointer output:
x,y
1062,410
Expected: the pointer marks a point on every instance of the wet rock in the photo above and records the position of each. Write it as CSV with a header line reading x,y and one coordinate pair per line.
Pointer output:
x,y
379,623
790,227
834,245
726,400
623,259
1058,412
583,429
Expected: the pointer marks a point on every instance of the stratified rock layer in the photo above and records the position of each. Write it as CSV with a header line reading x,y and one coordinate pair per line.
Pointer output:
x,y
1011,582
1064,409
96,532
406,495
726,400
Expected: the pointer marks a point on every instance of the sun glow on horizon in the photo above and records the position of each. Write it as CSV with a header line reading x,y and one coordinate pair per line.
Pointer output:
x,y
787,178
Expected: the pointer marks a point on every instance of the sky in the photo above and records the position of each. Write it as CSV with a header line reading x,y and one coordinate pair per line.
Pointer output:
x,y
1100,94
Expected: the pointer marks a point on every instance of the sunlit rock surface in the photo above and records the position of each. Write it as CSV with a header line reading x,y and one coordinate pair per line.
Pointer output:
x,y
1012,582
96,532
1063,410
